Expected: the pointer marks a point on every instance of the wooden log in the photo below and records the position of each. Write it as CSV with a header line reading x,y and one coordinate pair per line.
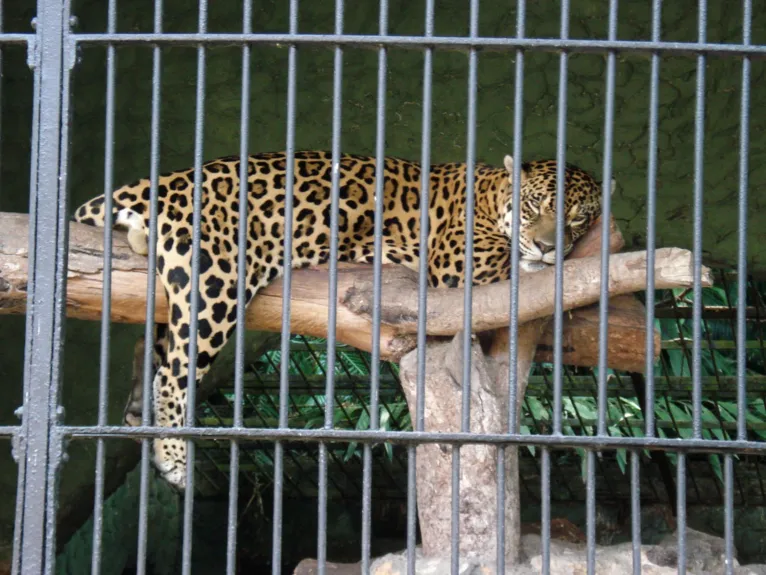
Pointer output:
x,y
310,288
491,303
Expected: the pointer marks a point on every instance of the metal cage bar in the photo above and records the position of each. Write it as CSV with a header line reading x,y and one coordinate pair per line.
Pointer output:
x,y
380,150
333,285
746,446
425,162
106,296
513,327
191,389
46,300
465,424
239,362
558,315
151,288
284,367
431,42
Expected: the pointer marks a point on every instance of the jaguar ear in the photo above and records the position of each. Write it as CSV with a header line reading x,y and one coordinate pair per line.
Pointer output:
x,y
612,188
508,163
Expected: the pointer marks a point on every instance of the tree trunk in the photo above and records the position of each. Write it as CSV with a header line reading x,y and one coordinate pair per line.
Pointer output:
x,y
489,393
478,463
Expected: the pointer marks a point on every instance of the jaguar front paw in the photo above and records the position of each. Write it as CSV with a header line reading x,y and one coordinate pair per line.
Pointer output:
x,y
134,408
170,461
531,266
132,415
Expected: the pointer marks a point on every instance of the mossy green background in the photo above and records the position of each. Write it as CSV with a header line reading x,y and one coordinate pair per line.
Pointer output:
x,y
404,110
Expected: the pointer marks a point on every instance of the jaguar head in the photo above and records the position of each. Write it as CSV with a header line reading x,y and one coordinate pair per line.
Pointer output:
x,y
537,230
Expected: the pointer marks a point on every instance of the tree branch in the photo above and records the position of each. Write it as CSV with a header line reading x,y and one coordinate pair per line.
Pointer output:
x,y
309,315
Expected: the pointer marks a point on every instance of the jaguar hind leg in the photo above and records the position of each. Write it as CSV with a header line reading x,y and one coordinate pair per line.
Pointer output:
x,y
216,322
132,414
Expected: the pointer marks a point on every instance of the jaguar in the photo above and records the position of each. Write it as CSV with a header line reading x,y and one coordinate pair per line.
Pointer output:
x,y
311,237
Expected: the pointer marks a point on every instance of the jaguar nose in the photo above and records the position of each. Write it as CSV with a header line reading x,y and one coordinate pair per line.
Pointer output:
x,y
544,246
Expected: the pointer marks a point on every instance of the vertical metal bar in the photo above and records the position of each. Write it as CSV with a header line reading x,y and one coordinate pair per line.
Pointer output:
x,y
380,156
470,177
45,304
651,218
151,288
590,523
699,158
425,175
333,288
284,367
744,143
728,512
17,522
199,132
545,508
651,214
55,412
106,294
500,557
606,212
455,512
28,333
518,125
239,354
513,327
681,512
558,315
651,234
425,162
635,509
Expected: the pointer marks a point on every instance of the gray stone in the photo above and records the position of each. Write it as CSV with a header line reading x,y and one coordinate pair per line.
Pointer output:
x,y
705,556
703,552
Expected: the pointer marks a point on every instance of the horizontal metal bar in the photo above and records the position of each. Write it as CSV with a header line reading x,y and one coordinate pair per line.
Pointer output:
x,y
21,39
9,431
449,42
577,423
537,384
418,437
719,344
752,313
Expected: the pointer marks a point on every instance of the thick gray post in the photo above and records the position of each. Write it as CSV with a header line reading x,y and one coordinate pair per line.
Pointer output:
x,y
45,304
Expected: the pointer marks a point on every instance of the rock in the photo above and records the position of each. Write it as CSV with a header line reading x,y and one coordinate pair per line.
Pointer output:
x,y
703,552
396,564
311,567
705,556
